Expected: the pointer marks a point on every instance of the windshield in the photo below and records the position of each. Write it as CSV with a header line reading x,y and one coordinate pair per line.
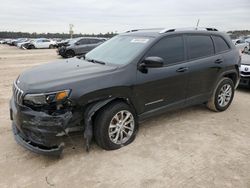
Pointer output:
x,y
119,50
72,41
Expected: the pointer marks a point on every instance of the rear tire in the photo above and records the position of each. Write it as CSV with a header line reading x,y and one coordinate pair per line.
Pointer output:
x,y
51,46
69,53
222,96
32,47
115,126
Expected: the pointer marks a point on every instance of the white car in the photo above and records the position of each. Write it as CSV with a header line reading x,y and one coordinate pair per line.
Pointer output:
x,y
245,71
248,41
42,43
241,45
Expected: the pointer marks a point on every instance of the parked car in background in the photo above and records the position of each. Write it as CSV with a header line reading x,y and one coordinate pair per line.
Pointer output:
x,y
248,41
245,71
241,45
63,43
20,40
125,80
5,41
11,42
79,46
41,43
22,44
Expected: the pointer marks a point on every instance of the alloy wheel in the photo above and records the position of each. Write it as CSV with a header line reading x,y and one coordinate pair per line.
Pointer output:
x,y
121,127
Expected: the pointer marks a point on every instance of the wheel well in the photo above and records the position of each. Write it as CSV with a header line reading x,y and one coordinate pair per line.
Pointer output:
x,y
124,100
232,76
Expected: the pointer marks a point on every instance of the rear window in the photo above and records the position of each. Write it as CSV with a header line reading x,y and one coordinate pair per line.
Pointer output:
x,y
199,46
220,44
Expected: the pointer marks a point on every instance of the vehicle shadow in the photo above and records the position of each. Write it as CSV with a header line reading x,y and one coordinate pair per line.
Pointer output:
x,y
243,89
75,144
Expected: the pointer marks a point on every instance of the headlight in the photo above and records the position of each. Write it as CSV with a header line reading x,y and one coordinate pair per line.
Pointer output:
x,y
47,98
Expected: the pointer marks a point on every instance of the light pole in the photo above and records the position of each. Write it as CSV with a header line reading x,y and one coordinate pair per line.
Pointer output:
x,y
71,32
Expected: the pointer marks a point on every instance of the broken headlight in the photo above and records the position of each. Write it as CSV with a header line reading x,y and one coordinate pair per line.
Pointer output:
x,y
47,98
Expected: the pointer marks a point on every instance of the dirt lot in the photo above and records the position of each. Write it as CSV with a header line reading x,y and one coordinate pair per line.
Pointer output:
x,y
193,147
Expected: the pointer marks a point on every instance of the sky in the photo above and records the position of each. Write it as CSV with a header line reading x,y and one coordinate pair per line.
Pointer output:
x,y
101,16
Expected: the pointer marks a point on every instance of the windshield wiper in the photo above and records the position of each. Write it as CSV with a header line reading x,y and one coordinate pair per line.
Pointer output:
x,y
95,61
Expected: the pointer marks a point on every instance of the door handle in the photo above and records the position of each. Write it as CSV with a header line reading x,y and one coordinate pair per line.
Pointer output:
x,y
182,69
218,61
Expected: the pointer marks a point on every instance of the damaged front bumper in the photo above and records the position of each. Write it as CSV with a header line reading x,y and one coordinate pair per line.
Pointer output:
x,y
61,51
38,131
56,151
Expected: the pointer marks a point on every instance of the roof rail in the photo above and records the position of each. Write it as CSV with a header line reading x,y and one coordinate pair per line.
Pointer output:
x,y
189,29
134,30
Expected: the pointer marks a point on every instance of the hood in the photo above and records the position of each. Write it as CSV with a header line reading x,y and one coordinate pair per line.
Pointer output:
x,y
60,74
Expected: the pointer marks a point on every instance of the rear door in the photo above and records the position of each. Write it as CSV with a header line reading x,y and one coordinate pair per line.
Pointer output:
x,y
82,47
45,43
93,43
203,65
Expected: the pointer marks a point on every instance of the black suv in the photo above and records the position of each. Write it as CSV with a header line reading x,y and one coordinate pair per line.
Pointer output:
x,y
79,46
131,77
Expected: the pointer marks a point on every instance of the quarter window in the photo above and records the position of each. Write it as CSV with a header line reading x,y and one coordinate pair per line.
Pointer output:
x,y
199,46
171,49
220,44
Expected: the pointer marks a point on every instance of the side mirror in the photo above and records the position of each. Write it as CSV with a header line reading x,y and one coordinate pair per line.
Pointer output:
x,y
152,62
77,43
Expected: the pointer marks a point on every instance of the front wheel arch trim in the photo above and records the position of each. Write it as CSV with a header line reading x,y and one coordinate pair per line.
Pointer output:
x,y
90,112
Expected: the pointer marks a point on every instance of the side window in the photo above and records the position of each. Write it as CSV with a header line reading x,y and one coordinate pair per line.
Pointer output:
x,y
220,44
171,49
83,41
92,41
45,40
199,46
242,41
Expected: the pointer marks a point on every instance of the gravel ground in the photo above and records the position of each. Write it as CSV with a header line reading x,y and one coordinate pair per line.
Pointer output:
x,y
192,147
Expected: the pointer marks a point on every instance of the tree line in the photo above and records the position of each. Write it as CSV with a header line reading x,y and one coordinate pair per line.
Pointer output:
x,y
239,33
11,34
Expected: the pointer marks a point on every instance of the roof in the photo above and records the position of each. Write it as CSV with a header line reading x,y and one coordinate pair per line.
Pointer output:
x,y
155,32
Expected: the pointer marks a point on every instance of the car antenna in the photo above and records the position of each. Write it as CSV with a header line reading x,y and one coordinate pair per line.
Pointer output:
x,y
197,24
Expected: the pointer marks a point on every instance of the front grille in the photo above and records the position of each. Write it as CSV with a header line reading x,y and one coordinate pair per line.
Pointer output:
x,y
245,73
18,94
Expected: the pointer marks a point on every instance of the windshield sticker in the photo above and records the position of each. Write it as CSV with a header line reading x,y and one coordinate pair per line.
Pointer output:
x,y
139,40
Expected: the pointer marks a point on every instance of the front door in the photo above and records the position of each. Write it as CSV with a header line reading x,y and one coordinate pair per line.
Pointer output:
x,y
166,85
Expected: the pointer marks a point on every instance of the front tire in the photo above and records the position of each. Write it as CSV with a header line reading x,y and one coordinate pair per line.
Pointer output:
x,y
32,47
115,126
222,95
